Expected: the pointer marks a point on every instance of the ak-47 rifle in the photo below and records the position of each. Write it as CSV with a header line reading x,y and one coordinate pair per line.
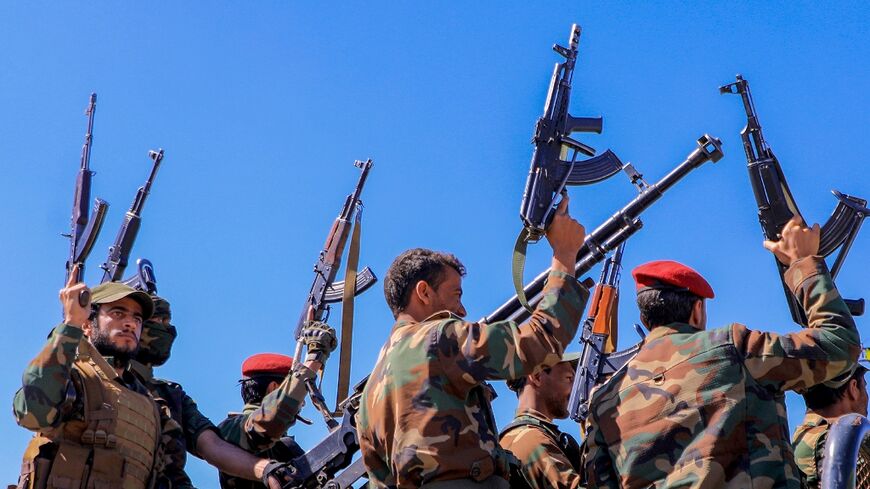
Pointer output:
x,y
119,252
550,171
776,205
83,230
598,336
320,467
325,289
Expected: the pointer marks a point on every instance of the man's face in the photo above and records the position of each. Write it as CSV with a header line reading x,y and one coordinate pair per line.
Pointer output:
x,y
117,328
556,388
448,295
862,396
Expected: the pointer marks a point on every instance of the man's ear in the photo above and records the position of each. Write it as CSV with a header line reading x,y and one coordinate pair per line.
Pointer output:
x,y
88,326
422,291
853,391
535,379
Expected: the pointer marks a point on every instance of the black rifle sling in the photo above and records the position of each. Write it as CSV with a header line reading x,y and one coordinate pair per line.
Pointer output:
x,y
347,314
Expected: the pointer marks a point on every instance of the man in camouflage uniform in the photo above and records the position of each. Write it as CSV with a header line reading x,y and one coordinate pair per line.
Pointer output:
x,y
274,390
192,431
425,418
95,424
548,457
705,408
825,403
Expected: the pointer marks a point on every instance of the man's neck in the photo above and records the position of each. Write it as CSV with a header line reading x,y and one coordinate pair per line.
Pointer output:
x,y
410,318
529,401
831,413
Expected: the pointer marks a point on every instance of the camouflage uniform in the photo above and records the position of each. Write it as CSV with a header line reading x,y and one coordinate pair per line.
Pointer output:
x,y
706,408
809,447
538,444
188,424
262,428
424,416
51,402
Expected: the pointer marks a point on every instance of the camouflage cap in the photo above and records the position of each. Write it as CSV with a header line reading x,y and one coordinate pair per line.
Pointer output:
x,y
115,291
517,385
843,379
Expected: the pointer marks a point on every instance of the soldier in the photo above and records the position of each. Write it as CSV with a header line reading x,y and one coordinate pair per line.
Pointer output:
x,y
825,403
705,408
95,424
548,457
425,418
274,391
191,430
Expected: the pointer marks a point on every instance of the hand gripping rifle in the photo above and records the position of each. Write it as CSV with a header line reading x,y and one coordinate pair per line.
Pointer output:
x,y
325,290
776,205
119,252
320,466
83,230
550,172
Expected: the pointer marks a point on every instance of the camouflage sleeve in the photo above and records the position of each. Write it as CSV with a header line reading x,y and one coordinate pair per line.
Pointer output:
x,y
826,348
809,453
260,429
544,464
37,404
504,350
193,423
597,462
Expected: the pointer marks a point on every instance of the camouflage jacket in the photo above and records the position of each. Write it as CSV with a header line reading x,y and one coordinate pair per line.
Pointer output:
x,y
423,415
43,402
809,447
706,408
544,463
259,426
188,424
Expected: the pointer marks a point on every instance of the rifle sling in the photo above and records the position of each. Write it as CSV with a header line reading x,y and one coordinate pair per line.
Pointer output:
x,y
518,264
347,314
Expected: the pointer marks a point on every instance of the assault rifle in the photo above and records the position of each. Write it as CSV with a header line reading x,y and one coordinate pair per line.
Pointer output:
x,y
320,466
550,172
83,230
776,205
119,252
615,230
325,290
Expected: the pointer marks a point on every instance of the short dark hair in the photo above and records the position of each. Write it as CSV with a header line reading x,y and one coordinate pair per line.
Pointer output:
x,y
253,389
659,307
821,396
413,266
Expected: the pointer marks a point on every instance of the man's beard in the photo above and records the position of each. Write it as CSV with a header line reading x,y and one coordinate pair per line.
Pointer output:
x,y
103,344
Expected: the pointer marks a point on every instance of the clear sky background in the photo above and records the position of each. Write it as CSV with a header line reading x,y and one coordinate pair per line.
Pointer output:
x,y
262,107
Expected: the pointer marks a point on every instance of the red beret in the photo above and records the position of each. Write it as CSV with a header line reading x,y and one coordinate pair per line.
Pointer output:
x,y
267,363
666,274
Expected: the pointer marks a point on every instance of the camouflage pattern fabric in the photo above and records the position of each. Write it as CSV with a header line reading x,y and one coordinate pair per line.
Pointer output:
x,y
809,451
809,447
259,427
42,403
706,408
187,424
422,418
544,464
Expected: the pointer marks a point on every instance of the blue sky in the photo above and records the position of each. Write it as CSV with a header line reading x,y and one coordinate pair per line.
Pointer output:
x,y
262,108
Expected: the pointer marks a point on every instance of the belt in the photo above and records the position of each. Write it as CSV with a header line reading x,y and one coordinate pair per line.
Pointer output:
x,y
492,482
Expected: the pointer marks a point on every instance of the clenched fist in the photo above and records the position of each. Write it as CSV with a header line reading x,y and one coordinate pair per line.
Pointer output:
x,y
319,338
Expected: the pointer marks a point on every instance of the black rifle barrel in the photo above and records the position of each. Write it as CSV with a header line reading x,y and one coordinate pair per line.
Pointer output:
x,y
119,252
615,230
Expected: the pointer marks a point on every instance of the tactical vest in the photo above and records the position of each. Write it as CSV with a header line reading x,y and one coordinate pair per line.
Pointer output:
x,y
115,446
